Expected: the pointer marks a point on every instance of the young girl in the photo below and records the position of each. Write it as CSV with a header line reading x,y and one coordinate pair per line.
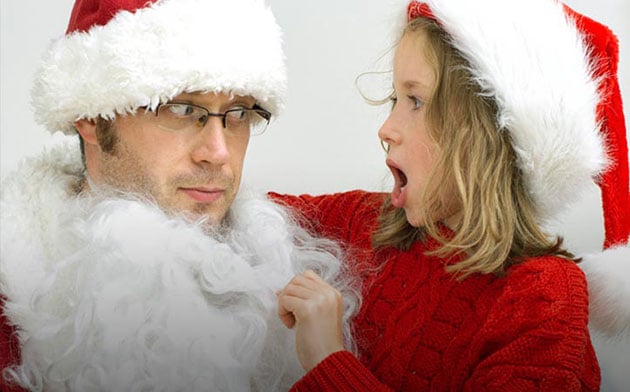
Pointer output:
x,y
494,128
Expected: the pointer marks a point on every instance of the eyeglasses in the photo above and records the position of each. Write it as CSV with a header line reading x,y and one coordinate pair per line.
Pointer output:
x,y
175,116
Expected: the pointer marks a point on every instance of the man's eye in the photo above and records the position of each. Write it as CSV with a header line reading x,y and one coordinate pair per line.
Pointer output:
x,y
181,109
237,114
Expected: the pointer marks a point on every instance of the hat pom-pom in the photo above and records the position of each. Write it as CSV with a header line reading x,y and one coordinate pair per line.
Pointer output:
x,y
608,277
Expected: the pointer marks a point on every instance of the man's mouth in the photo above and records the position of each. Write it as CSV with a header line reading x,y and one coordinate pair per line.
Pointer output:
x,y
203,194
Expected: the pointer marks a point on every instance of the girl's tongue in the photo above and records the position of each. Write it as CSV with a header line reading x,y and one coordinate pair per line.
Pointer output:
x,y
399,194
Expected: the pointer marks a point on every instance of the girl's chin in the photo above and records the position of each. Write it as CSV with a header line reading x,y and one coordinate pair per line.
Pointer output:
x,y
412,219
450,220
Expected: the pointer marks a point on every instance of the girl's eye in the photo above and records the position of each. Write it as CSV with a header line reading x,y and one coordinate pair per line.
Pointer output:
x,y
415,102
393,100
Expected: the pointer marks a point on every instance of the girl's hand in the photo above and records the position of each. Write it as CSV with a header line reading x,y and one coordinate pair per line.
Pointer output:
x,y
314,308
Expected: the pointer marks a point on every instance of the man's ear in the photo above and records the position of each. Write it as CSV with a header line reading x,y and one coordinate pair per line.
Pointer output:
x,y
87,130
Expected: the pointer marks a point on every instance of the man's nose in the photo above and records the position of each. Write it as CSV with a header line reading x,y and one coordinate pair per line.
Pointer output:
x,y
212,144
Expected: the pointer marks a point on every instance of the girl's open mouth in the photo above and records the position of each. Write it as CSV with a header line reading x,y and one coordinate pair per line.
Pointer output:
x,y
399,194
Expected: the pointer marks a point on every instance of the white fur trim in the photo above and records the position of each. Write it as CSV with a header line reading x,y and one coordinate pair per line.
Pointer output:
x,y
608,277
614,360
112,294
147,57
532,60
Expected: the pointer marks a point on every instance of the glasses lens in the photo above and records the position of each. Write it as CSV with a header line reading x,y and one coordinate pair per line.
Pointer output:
x,y
260,121
245,120
238,120
178,116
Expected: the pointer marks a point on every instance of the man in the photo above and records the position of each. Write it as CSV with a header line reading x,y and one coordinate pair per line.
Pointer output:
x,y
130,261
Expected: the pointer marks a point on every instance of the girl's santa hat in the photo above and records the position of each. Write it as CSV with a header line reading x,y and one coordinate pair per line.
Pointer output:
x,y
553,75
119,55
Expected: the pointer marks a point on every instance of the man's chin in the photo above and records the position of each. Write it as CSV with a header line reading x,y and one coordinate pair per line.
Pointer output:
x,y
208,218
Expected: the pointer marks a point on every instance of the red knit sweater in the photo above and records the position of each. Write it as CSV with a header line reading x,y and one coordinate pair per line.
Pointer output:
x,y
419,329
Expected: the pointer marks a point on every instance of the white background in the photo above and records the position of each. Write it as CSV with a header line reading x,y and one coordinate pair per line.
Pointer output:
x,y
325,141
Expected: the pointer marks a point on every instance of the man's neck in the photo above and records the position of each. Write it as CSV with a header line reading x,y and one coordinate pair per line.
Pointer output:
x,y
81,186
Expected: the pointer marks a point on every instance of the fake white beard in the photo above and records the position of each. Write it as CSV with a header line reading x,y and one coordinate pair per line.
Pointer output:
x,y
121,297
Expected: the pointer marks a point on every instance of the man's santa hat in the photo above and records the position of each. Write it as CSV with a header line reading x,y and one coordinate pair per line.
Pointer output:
x,y
553,75
119,55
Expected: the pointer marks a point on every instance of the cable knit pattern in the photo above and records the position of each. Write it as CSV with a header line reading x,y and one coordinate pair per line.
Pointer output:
x,y
420,329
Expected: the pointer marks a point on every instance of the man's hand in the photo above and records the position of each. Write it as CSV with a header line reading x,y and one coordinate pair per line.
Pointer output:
x,y
314,308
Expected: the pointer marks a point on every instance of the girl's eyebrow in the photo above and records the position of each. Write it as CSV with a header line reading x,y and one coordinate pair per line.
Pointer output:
x,y
413,84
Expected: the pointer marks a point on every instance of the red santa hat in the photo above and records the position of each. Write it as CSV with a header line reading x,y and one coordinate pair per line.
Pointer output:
x,y
119,55
553,75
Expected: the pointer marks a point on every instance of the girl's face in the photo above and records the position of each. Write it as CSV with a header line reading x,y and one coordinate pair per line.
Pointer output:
x,y
412,151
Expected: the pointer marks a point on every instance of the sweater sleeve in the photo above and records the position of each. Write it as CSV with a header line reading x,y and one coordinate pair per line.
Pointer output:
x,y
349,217
339,372
536,337
346,217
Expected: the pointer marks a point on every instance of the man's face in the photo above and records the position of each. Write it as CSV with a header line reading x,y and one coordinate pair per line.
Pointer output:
x,y
192,170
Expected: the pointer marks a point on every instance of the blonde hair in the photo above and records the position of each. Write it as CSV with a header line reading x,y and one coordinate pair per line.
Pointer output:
x,y
498,225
